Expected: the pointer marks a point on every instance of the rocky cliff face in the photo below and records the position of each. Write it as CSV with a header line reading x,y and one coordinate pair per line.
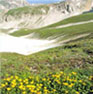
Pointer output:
x,y
75,5
40,15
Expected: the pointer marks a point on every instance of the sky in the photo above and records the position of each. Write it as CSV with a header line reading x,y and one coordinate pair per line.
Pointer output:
x,y
43,1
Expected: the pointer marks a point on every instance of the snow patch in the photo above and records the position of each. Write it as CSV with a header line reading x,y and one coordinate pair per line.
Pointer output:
x,y
22,45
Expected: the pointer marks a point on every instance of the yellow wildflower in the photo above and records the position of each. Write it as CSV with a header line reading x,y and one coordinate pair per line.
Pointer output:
x,y
71,85
57,76
66,84
32,91
32,82
22,87
58,81
30,86
66,92
77,92
8,89
21,83
3,85
54,90
80,81
8,79
49,81
45,87
13,81
37,89
41,85
13,85
11,77
38,93
24,92
16,77
91,78
70,80
74,73
61,72
19,80
26,81
84,84
45,91
6,83
74,80
37,78
44,79
30,77
53,75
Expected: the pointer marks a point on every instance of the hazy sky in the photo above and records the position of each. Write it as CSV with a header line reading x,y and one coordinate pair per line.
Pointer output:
x,y
43,1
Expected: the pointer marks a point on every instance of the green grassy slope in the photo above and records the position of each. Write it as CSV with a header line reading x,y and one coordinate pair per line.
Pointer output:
x,y
75,55
68,31
74,19
27,10
48,31
60,54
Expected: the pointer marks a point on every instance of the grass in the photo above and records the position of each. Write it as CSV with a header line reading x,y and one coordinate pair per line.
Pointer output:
x,y
75,56
27,10
74,19
46,32
55,59
68,31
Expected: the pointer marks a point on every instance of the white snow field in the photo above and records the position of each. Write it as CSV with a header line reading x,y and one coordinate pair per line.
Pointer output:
x,y
23,45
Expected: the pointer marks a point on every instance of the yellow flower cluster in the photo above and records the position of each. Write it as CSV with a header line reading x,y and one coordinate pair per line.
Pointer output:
x,y
50,84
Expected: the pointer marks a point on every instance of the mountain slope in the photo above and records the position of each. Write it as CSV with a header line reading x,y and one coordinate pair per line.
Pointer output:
x,y
41,39
9,4
66,68
42,15
75,54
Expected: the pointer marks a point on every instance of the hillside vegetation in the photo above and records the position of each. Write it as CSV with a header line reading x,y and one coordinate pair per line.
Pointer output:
x,y
68,31
74,57
52,31
67,69
28,10
74,19
76,54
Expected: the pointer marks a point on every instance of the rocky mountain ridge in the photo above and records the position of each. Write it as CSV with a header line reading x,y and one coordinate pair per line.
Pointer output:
x,y
36,16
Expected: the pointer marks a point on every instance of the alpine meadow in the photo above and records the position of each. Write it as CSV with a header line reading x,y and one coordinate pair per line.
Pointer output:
x,y
46,47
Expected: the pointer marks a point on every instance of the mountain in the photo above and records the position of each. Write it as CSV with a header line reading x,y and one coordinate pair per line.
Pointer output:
x,y
9,4
36,16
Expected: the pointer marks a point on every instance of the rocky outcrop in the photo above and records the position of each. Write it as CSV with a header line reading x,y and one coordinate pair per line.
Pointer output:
x,y
75,6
